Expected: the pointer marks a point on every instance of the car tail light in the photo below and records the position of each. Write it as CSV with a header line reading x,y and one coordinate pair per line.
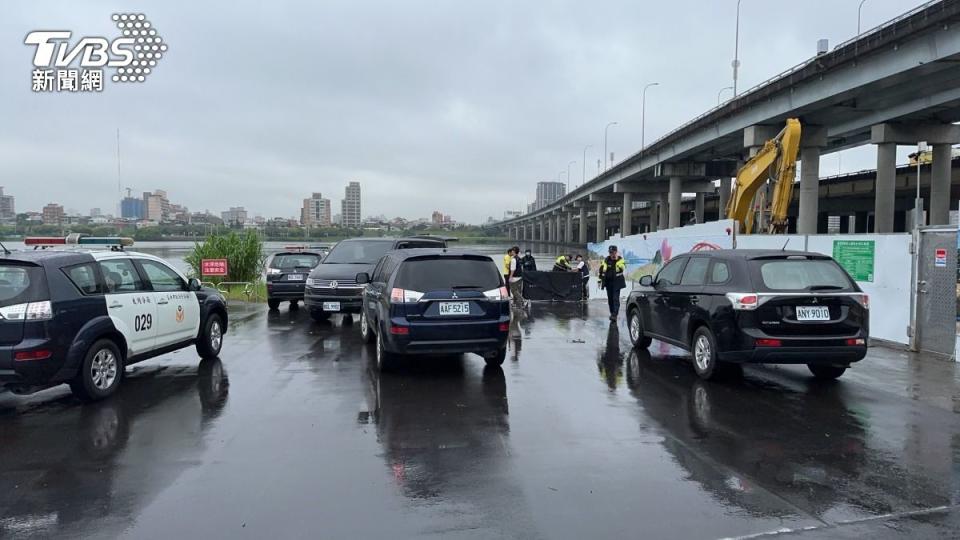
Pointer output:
x,y
273,271
405,295
744,301
33,311
399,330
856,341
765,342
36,354
497,294
504,327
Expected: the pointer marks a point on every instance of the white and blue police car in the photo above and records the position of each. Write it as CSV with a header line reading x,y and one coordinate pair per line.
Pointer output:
x,y
80,316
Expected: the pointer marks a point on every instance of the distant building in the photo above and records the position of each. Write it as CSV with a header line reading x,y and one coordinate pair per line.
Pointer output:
x,y
315,211
53,214
350,206
204,218
436,217
236,215
549,193
132,208
7,210
156,206
95,212
510,214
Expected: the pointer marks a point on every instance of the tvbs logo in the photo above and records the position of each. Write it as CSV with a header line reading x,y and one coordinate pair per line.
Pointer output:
x,y
133,55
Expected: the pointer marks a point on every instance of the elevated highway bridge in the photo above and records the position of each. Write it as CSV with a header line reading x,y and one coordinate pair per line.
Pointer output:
x,y
896,84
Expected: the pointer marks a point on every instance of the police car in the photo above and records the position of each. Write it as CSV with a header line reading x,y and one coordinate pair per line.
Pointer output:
x,y
80,316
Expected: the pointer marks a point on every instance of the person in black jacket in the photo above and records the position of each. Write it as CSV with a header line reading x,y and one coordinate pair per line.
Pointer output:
x,y
611,279
584,268
528,263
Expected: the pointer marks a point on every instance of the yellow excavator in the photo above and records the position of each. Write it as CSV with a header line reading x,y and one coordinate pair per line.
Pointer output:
x,y
776,161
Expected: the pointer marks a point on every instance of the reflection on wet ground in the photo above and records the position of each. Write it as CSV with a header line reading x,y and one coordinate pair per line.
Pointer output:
x,y
577,436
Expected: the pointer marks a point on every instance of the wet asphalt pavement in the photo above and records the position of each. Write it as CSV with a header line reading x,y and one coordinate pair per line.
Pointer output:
x,y
292,435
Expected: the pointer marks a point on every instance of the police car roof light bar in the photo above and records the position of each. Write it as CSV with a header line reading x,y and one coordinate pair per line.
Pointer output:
x,y
113,242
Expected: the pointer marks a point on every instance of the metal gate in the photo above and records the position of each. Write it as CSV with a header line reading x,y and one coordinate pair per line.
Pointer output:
x,y
936,290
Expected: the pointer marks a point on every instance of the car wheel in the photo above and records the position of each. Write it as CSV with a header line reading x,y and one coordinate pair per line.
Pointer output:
x,y
635,326
366,332
210,339
384,357
273,304
100,373
826,373
319,316
496,358
704,349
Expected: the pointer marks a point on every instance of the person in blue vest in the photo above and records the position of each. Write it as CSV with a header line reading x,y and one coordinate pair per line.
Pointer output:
x,y
610,277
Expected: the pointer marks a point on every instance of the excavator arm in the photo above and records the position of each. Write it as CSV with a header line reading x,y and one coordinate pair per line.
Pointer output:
x,y
777,160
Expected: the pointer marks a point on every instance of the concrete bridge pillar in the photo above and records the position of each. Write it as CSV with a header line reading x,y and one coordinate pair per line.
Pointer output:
x,y
568,233
664,217
885,196
559,226
542,236
601,223
724,193
676,191
583,225
811,140
698,208
940,184
626,215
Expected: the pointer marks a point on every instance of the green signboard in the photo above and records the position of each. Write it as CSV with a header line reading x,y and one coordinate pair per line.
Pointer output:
x,y
856,256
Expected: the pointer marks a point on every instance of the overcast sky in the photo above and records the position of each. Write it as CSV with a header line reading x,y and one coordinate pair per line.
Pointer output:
x,y
459,106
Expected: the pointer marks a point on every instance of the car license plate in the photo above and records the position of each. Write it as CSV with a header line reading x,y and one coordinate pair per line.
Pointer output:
x,y
813,313
294,277
331,306
454,308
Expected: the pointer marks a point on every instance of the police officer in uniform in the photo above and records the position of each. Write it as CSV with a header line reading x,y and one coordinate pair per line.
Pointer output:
x,y
611,279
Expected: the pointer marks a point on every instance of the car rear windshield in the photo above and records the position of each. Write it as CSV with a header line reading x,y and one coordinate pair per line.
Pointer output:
x,y
358,251
803,275
20,284
448,273
294,260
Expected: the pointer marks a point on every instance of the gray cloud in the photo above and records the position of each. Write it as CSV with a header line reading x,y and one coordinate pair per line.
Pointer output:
x,y
456,106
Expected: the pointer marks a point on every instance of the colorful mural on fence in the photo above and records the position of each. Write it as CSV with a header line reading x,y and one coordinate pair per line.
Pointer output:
x,y
646,253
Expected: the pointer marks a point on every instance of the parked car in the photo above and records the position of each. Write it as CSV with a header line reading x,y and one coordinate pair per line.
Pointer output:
x,y
332,287
80,317
435,301
287,275
754,306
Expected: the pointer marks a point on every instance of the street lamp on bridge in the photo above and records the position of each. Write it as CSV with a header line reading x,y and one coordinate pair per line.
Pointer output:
x,y
583,179
605,143
643,119
568,174
722,90
736,51
858,16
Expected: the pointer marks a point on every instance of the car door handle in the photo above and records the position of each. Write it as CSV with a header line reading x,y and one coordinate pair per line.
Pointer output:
x,y
694,299
163,301
116,305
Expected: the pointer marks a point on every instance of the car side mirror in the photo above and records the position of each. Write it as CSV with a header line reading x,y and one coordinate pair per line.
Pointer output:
x,y
646,281
193,284
363,278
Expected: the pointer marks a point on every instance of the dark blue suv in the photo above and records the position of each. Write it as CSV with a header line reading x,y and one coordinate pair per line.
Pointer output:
x,y
435,301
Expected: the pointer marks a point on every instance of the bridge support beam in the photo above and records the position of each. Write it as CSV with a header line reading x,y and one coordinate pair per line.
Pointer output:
x,y
568,233
811,140
724,192
542,232
663,219
583,225
698,207
676,191
601,223
939,204
885,197
626,215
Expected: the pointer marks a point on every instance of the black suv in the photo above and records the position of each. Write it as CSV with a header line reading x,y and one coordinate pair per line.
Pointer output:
x,y
332,287
754,306
287,273
435,301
